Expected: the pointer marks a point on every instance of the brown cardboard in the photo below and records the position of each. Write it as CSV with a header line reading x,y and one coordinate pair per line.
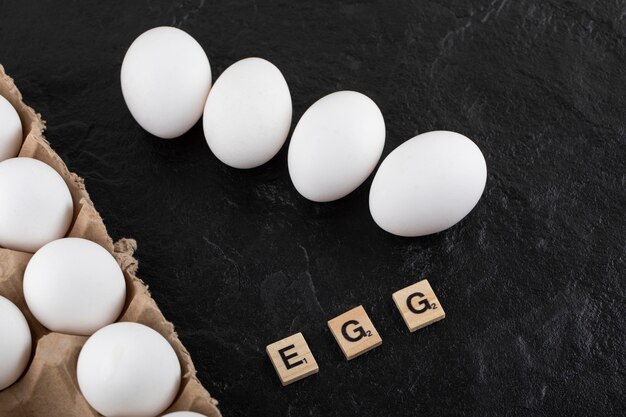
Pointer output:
x,y
48,386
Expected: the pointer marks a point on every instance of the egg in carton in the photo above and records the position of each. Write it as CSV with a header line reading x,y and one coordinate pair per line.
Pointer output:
x,y
49,385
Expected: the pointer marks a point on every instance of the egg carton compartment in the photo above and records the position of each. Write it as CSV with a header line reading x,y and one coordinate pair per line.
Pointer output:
x,y
49,386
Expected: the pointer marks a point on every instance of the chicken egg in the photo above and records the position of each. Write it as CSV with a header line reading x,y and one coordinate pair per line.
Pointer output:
x,y
428,184
165,77
15,343
128,370
36,204
247,115
336,145
74,286
10,130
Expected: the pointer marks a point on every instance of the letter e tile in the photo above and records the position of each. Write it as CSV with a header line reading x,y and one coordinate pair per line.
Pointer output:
x,y
292,359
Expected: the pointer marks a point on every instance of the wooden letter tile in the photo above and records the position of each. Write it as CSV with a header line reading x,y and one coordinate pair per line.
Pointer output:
x,y
418,305
354,332
292,359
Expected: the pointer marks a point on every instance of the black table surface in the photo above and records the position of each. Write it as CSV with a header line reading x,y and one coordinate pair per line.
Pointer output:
x,y
532,281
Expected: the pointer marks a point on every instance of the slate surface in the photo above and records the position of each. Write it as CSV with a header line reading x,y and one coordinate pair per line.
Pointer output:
x,y
532,280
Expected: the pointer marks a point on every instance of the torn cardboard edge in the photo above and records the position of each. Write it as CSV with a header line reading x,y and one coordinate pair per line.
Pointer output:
x,y
49,386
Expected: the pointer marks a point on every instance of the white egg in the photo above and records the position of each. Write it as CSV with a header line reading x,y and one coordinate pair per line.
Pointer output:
x,y
183,414
15,343
165,77
74,286
247,115
128,370
336,145
36,204
428,184
10,130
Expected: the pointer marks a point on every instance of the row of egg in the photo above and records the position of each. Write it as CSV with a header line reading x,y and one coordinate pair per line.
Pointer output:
x,y
426,185
75,286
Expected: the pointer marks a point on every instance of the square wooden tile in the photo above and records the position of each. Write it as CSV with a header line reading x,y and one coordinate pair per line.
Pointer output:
x,y
354,332
292,359
418,305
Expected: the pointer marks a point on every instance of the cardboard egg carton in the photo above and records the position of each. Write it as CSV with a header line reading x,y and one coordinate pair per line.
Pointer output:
x,y
49,386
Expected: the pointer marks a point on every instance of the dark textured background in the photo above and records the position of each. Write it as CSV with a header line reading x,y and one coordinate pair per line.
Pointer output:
x,y
532,280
